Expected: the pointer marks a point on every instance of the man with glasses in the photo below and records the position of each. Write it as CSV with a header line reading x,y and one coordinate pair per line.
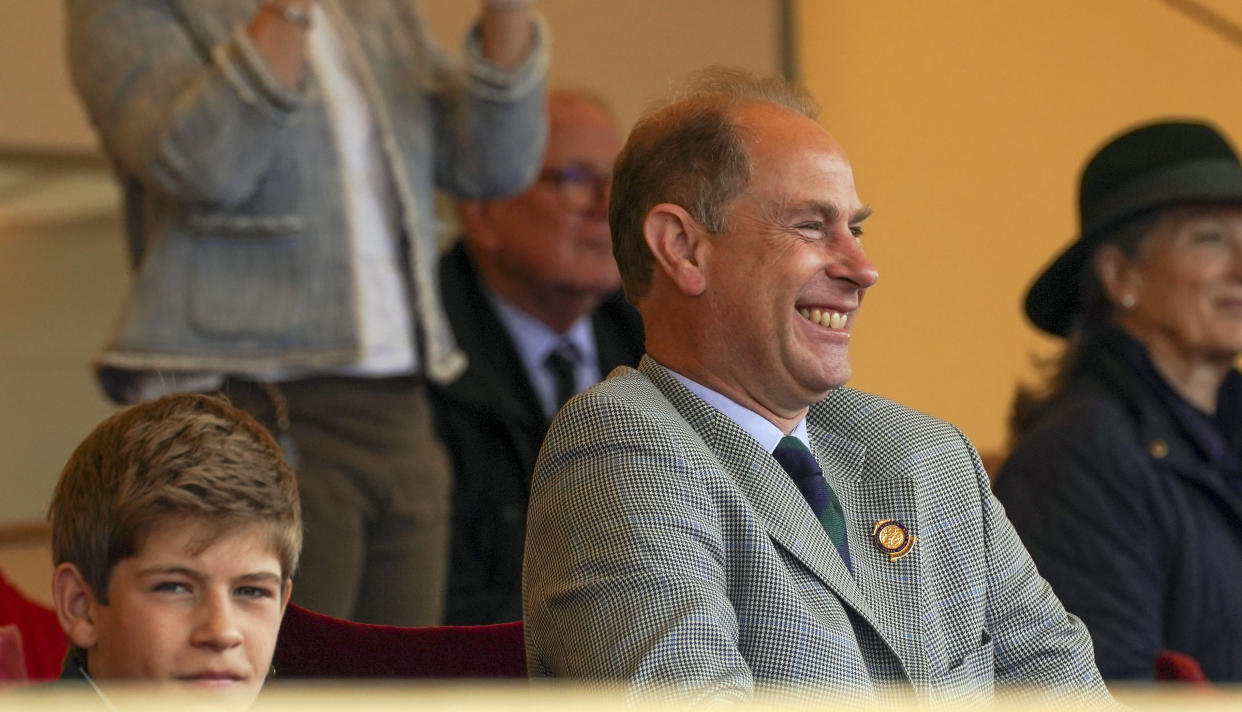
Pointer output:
x,y
532,295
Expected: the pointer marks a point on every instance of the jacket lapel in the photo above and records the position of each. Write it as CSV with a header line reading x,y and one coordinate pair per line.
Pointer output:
x,y
495,380
872,489
785,513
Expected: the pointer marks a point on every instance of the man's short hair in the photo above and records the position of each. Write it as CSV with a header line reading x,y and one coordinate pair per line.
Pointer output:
x,y
687,151
184,455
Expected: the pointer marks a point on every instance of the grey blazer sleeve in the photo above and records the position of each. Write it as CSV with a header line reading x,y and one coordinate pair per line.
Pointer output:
x,y
199,123
624,573
1038,646
491,124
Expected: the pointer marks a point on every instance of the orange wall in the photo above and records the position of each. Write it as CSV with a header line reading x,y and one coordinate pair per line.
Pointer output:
x,y
967,122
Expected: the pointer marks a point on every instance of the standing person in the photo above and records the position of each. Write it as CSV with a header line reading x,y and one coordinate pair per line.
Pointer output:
x,y
532,294
728,521
1126,479
278,159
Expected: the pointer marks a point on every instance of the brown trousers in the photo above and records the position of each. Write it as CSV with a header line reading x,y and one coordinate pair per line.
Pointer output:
x,y
375,487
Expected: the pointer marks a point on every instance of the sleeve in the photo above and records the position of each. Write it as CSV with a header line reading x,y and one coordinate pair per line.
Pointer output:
x,y
199,123
490,123
1078,500
624,578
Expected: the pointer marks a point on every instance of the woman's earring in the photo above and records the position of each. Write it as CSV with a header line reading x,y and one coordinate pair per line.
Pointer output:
x,y
1128,301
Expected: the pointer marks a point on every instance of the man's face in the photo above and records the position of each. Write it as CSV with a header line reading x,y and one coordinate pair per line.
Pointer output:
x,y
201,619
554,237
785,280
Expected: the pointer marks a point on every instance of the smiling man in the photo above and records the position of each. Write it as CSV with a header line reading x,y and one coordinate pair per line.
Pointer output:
x,y
729,521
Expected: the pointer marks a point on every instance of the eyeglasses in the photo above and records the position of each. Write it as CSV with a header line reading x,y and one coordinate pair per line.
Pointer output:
x,y
579,187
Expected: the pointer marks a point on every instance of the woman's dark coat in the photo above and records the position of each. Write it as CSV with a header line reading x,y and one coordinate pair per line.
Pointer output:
x,y
1131,505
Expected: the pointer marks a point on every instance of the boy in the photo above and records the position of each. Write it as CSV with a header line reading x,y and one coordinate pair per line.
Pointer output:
x,y
175,531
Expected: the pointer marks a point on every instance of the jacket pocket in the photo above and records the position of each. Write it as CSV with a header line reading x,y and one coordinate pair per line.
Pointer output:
x,y
971,676
246,275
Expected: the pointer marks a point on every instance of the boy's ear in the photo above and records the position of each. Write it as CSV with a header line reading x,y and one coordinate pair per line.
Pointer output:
x,y
75,605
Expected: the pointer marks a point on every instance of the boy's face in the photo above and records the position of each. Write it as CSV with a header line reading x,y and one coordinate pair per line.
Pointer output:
x,y
202,619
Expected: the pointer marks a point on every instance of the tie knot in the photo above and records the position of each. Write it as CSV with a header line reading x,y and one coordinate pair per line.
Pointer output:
x,y
563,355
791,442
797,460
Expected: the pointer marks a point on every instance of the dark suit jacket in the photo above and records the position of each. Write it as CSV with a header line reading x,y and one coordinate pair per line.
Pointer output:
x,y
492,424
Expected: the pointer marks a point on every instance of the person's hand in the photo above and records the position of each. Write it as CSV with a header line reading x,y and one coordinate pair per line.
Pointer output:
x,y
505,31
294,12
278,30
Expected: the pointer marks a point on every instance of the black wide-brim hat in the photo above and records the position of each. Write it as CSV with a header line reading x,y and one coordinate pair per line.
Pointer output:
x,y
1143,169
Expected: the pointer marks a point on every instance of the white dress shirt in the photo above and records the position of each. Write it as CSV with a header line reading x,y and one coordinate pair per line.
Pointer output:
x,y
755,425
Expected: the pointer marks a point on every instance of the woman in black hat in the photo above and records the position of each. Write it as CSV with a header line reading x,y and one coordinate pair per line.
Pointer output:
x,y
1126,479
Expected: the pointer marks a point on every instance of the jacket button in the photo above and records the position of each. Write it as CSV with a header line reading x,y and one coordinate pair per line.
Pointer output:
x,y
1158,449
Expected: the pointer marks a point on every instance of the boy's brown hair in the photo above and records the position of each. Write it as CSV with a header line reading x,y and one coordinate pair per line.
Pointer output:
x,y
186,455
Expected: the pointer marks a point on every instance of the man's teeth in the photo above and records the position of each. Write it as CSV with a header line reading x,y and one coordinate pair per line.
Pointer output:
x,y
831,319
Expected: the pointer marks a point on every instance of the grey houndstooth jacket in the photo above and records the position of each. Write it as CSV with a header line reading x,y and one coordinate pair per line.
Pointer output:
x,y
668,552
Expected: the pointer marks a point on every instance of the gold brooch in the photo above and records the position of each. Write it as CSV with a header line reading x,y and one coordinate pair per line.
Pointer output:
x,y
892,538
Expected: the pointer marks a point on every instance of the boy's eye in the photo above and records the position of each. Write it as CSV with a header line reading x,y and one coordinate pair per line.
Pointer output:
x,y
170,587
255,592
856,230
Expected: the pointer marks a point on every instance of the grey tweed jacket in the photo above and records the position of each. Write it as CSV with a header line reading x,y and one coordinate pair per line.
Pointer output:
x,y
668,552
235,198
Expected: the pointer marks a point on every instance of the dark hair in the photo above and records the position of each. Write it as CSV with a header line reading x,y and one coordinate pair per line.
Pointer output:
x,y
184,454
687,151
1029,402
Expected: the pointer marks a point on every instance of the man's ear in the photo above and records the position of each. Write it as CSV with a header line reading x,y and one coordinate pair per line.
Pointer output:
x,y
677,242
1122,282
75,604
477,225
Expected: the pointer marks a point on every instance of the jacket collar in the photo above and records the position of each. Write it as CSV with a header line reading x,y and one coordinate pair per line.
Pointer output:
x,y
1174,435
495,378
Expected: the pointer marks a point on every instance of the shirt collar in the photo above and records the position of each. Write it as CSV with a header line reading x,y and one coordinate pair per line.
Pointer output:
x,y
534,340
755,425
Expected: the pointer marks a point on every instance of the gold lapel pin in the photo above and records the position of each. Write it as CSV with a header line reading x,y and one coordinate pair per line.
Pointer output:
x,y
892,538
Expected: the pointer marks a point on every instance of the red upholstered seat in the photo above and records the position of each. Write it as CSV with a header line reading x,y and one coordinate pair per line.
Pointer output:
x,y
43,643
315,645
1173,666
